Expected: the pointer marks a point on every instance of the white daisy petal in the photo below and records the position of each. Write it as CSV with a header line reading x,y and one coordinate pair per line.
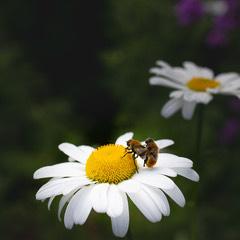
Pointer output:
x,y
50,202
188,109
130,185
177,94
171,107
176,195
78,208
72,151
87,150
146,205
83,206
180,75
159,198
62,202
120,224
155,180
206,73
164,143
164,82
115,201
61,170
187,173
174,74
61,186
163,64
226,77
192,69
190,96
122,140
203,97
68,216
164,171
99,198
169,160
156,70
231,86
198,97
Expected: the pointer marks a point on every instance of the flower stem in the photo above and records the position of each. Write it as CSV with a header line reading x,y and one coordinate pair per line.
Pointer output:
x,y
199,134
197,161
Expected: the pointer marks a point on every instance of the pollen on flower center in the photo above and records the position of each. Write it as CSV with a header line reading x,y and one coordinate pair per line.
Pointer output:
x,y
201,84
108,164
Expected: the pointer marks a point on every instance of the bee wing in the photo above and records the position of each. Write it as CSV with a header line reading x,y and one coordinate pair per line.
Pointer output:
x,y
143,155
164,143
141,151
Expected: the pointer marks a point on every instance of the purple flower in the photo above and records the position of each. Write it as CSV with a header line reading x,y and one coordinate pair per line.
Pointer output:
x,y
225,17
230,18
223,23
188,11
217,38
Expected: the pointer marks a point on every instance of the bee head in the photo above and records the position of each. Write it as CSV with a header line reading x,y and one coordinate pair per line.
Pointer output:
x,y
149,140
129,142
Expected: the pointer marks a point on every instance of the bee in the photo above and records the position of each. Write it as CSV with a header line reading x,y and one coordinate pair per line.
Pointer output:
x,y
137,149
151,153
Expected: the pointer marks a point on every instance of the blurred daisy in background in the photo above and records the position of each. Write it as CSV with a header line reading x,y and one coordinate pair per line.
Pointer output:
x,y
193,85
102,178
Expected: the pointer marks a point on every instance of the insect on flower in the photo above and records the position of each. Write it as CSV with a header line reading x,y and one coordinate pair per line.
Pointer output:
x,y
149,152
101,180
137,149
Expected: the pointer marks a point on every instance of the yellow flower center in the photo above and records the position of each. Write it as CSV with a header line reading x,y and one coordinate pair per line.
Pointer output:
x,y
108,164
201,84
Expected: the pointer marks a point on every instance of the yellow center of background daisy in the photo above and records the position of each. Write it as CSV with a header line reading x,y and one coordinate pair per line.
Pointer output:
x,y
201,84
108,164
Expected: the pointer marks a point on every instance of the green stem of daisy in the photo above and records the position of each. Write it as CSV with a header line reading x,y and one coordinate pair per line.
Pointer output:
x,y
196,167
199,134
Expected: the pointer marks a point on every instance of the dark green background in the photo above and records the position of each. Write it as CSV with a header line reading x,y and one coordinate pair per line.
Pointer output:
x,y
73,71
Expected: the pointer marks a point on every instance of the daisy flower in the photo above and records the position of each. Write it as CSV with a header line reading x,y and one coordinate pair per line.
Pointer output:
x,y
102,178
193,85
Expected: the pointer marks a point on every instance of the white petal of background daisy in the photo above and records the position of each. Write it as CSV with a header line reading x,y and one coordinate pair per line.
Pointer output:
x,y
102,178
193,85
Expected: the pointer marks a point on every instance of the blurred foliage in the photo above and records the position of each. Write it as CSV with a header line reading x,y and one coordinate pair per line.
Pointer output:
x,y
78,72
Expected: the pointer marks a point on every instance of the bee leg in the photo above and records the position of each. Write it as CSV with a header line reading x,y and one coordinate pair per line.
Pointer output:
x,y
125,154
136,166
134,157
145,161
